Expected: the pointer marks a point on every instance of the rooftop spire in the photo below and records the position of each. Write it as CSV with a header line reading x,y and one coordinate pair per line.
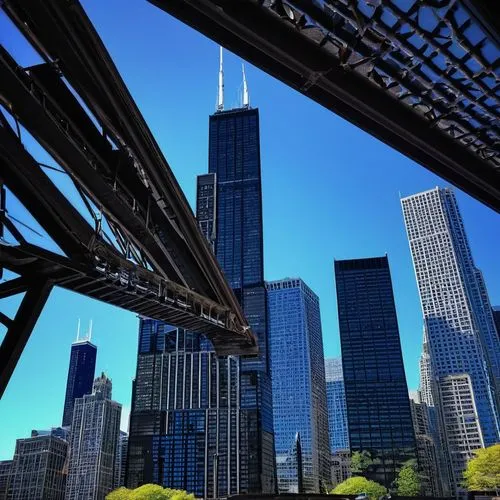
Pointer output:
x,y
220,93
78,331
246,99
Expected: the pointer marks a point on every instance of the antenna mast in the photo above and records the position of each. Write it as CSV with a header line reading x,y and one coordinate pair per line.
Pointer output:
x,y
246,98
220,93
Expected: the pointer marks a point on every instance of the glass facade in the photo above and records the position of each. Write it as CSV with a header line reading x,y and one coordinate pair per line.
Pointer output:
x,y
298,386
80,376
378,407
185,414
460,335
496,318
337,410
234,159
200,422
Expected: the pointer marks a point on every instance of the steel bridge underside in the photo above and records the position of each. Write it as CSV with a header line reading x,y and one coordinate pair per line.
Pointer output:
x,y
138,246
423,76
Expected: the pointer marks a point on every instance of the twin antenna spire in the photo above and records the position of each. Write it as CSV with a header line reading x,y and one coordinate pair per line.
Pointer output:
x,y
220,92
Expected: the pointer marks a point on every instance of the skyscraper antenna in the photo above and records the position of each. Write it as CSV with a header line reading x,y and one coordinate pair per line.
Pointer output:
x,y
78,331
220,93
246,99
90,331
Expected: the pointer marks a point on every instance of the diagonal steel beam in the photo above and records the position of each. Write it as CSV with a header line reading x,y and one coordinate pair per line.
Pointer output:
x,y
19,331
297,55
14,286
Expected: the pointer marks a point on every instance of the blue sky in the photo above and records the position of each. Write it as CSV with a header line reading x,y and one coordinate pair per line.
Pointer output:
x,y
330,191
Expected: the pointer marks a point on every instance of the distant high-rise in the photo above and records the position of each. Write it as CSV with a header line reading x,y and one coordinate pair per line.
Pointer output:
x,y
337,410
378,408
5,467
121,460
298,384
38,469
341,466
496,317
460,335
80,375
424,418
94,439
185,414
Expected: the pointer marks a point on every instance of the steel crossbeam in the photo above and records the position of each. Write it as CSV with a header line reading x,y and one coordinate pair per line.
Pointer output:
x,y
422,76
144,251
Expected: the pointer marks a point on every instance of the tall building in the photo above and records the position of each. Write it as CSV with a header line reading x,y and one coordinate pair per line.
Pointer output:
x,y
460,335
185,418
5,467
95,431
423,417
38,469
378,408
234,159
462,429
337,410
80,375
341,466
121,460
230,402
496,318
298,385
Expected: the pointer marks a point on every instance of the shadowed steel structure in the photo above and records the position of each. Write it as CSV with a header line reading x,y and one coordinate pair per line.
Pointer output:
x,y
421,75
142,250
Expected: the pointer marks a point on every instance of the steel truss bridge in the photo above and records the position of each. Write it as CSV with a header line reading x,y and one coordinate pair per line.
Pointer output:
x,y
421,75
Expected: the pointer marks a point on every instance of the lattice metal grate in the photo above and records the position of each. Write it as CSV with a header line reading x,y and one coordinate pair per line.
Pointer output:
x,y
430,55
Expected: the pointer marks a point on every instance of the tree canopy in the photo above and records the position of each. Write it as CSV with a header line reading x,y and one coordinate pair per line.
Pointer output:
x,y
357,485
149,492
483,471
360,461
408,480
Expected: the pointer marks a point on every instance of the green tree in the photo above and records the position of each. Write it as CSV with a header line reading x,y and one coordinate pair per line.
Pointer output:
x,y
119,494
360,461
149,492
408,480
357,485
483,471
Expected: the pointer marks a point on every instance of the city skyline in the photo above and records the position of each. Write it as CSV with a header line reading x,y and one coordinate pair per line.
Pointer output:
x,y
108,331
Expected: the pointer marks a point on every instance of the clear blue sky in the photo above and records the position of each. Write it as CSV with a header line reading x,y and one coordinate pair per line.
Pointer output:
x,y
330,191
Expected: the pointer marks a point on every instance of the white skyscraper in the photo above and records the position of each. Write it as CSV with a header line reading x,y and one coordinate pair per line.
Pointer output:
x,y
460,337
95,432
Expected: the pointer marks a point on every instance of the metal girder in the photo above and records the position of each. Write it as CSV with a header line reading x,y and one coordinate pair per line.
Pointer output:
x,y
95,268
116,281
19,329
159,264
435,99
63,35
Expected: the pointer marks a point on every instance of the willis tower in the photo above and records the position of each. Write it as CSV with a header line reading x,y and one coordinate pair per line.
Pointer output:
x,y
200,422
229,212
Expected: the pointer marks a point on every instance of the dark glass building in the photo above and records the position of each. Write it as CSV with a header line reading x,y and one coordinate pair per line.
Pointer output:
x,y
80,375
199,422
234,159
185,416
378,407
496,318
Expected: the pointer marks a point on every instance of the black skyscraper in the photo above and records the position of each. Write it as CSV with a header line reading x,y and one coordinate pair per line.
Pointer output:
x,y
231,195
80,375
201,422
378,407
